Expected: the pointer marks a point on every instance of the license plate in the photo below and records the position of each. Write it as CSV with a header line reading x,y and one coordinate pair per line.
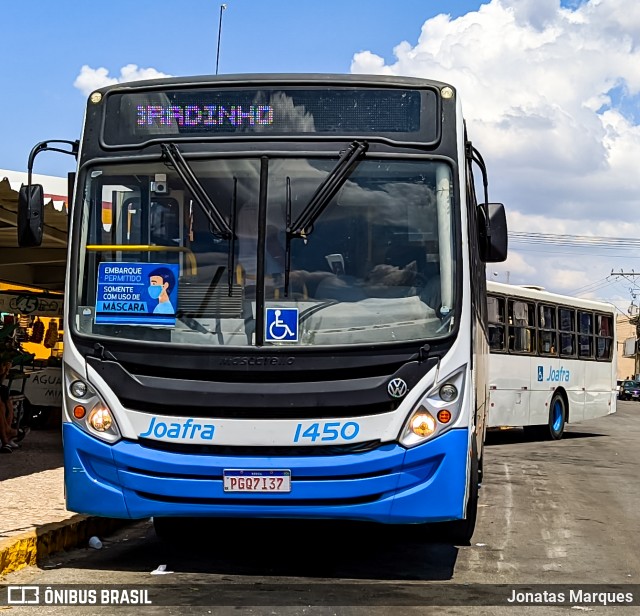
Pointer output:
x,y
243,480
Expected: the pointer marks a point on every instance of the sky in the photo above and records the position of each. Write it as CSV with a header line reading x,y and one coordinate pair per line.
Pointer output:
x,y
550,90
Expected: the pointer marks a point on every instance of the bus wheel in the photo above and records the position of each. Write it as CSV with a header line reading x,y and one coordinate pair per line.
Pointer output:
x,y
554,429
460,532
557,417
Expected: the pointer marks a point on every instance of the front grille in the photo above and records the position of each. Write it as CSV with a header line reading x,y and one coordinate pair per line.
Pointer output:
x,y
299,475
258,412
344,393
239,369
264,502
258,451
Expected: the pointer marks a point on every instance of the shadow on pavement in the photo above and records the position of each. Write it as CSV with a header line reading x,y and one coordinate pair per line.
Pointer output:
x,y
41,450
518,435
299,548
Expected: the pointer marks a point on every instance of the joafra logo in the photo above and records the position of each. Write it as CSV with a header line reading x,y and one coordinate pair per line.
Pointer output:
x,y
188,429
559,375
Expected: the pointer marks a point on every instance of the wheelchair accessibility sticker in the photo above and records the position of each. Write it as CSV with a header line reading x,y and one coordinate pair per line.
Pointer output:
x,y
281,325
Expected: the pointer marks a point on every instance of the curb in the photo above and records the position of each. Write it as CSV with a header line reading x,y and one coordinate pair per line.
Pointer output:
x,y
31,547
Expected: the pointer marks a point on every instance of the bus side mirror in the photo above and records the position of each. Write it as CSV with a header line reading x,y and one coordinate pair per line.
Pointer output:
x,y
30,215
493,233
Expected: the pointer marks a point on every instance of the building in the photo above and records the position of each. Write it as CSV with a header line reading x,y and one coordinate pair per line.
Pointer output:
x,y
626,331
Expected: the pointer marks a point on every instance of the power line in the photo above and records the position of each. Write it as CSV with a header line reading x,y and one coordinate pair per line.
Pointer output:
x,y
594,287
599,285
572,252
594,284
575,241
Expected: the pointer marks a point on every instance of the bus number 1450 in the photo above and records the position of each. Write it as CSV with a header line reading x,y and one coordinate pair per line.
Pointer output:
x,y
326,431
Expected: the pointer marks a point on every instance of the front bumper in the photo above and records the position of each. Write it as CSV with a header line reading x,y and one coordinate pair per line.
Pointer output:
x,y
389,484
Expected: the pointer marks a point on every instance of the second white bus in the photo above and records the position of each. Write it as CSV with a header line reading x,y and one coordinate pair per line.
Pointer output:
x,y
552,361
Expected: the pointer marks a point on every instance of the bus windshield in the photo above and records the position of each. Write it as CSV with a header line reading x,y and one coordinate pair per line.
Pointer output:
x,y
377,264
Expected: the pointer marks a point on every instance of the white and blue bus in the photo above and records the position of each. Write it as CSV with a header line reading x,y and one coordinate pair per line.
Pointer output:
x,y
553,359
275,301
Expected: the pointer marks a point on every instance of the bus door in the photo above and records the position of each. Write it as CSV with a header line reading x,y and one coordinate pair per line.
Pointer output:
x,y
592,385
570,374
508,371
601,374
547,366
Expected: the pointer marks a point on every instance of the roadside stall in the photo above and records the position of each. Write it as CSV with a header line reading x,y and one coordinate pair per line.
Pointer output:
x,y
31,294
31,337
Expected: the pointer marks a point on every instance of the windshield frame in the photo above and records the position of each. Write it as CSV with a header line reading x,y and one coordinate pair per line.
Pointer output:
x,y
94,340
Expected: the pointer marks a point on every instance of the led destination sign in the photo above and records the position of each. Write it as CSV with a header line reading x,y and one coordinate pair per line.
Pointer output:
x,y
401,114
205,115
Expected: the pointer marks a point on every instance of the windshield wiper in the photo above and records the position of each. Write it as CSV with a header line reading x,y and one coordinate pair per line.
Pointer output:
x,y
347,162
175,157
303,226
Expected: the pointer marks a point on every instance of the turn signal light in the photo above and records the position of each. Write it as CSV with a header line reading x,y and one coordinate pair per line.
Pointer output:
x,y
444,416
79,411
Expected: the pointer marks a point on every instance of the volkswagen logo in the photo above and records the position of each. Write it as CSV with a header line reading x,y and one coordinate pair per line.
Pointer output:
x,y
397,388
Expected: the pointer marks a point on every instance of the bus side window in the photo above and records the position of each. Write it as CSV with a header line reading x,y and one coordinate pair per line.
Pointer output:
x,y
522,319
585,334
605,337
548,344
567,320
496,317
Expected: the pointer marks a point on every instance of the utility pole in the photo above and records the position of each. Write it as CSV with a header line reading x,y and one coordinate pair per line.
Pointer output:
x,y
634,316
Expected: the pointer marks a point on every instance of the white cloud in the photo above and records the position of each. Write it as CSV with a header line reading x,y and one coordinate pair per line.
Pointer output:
x,y
91,79
536,81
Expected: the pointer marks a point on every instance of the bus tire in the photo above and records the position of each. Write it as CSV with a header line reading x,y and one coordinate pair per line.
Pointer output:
x,y
557,417
460,532
554,429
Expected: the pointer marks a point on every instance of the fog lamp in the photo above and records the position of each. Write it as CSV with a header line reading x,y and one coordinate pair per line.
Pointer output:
x,y
78,389
448,392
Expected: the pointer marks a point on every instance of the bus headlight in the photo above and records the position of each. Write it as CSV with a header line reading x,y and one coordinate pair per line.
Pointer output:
x,y
100,419
87,409
422,423
436,412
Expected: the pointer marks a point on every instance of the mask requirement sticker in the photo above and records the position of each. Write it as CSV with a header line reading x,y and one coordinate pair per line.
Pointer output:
x,y
137,294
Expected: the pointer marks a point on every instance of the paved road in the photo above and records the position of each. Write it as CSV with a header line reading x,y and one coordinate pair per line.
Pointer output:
x,y
551,513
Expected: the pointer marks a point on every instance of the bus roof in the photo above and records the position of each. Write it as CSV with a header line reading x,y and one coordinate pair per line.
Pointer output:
x,y
250,79
539,294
